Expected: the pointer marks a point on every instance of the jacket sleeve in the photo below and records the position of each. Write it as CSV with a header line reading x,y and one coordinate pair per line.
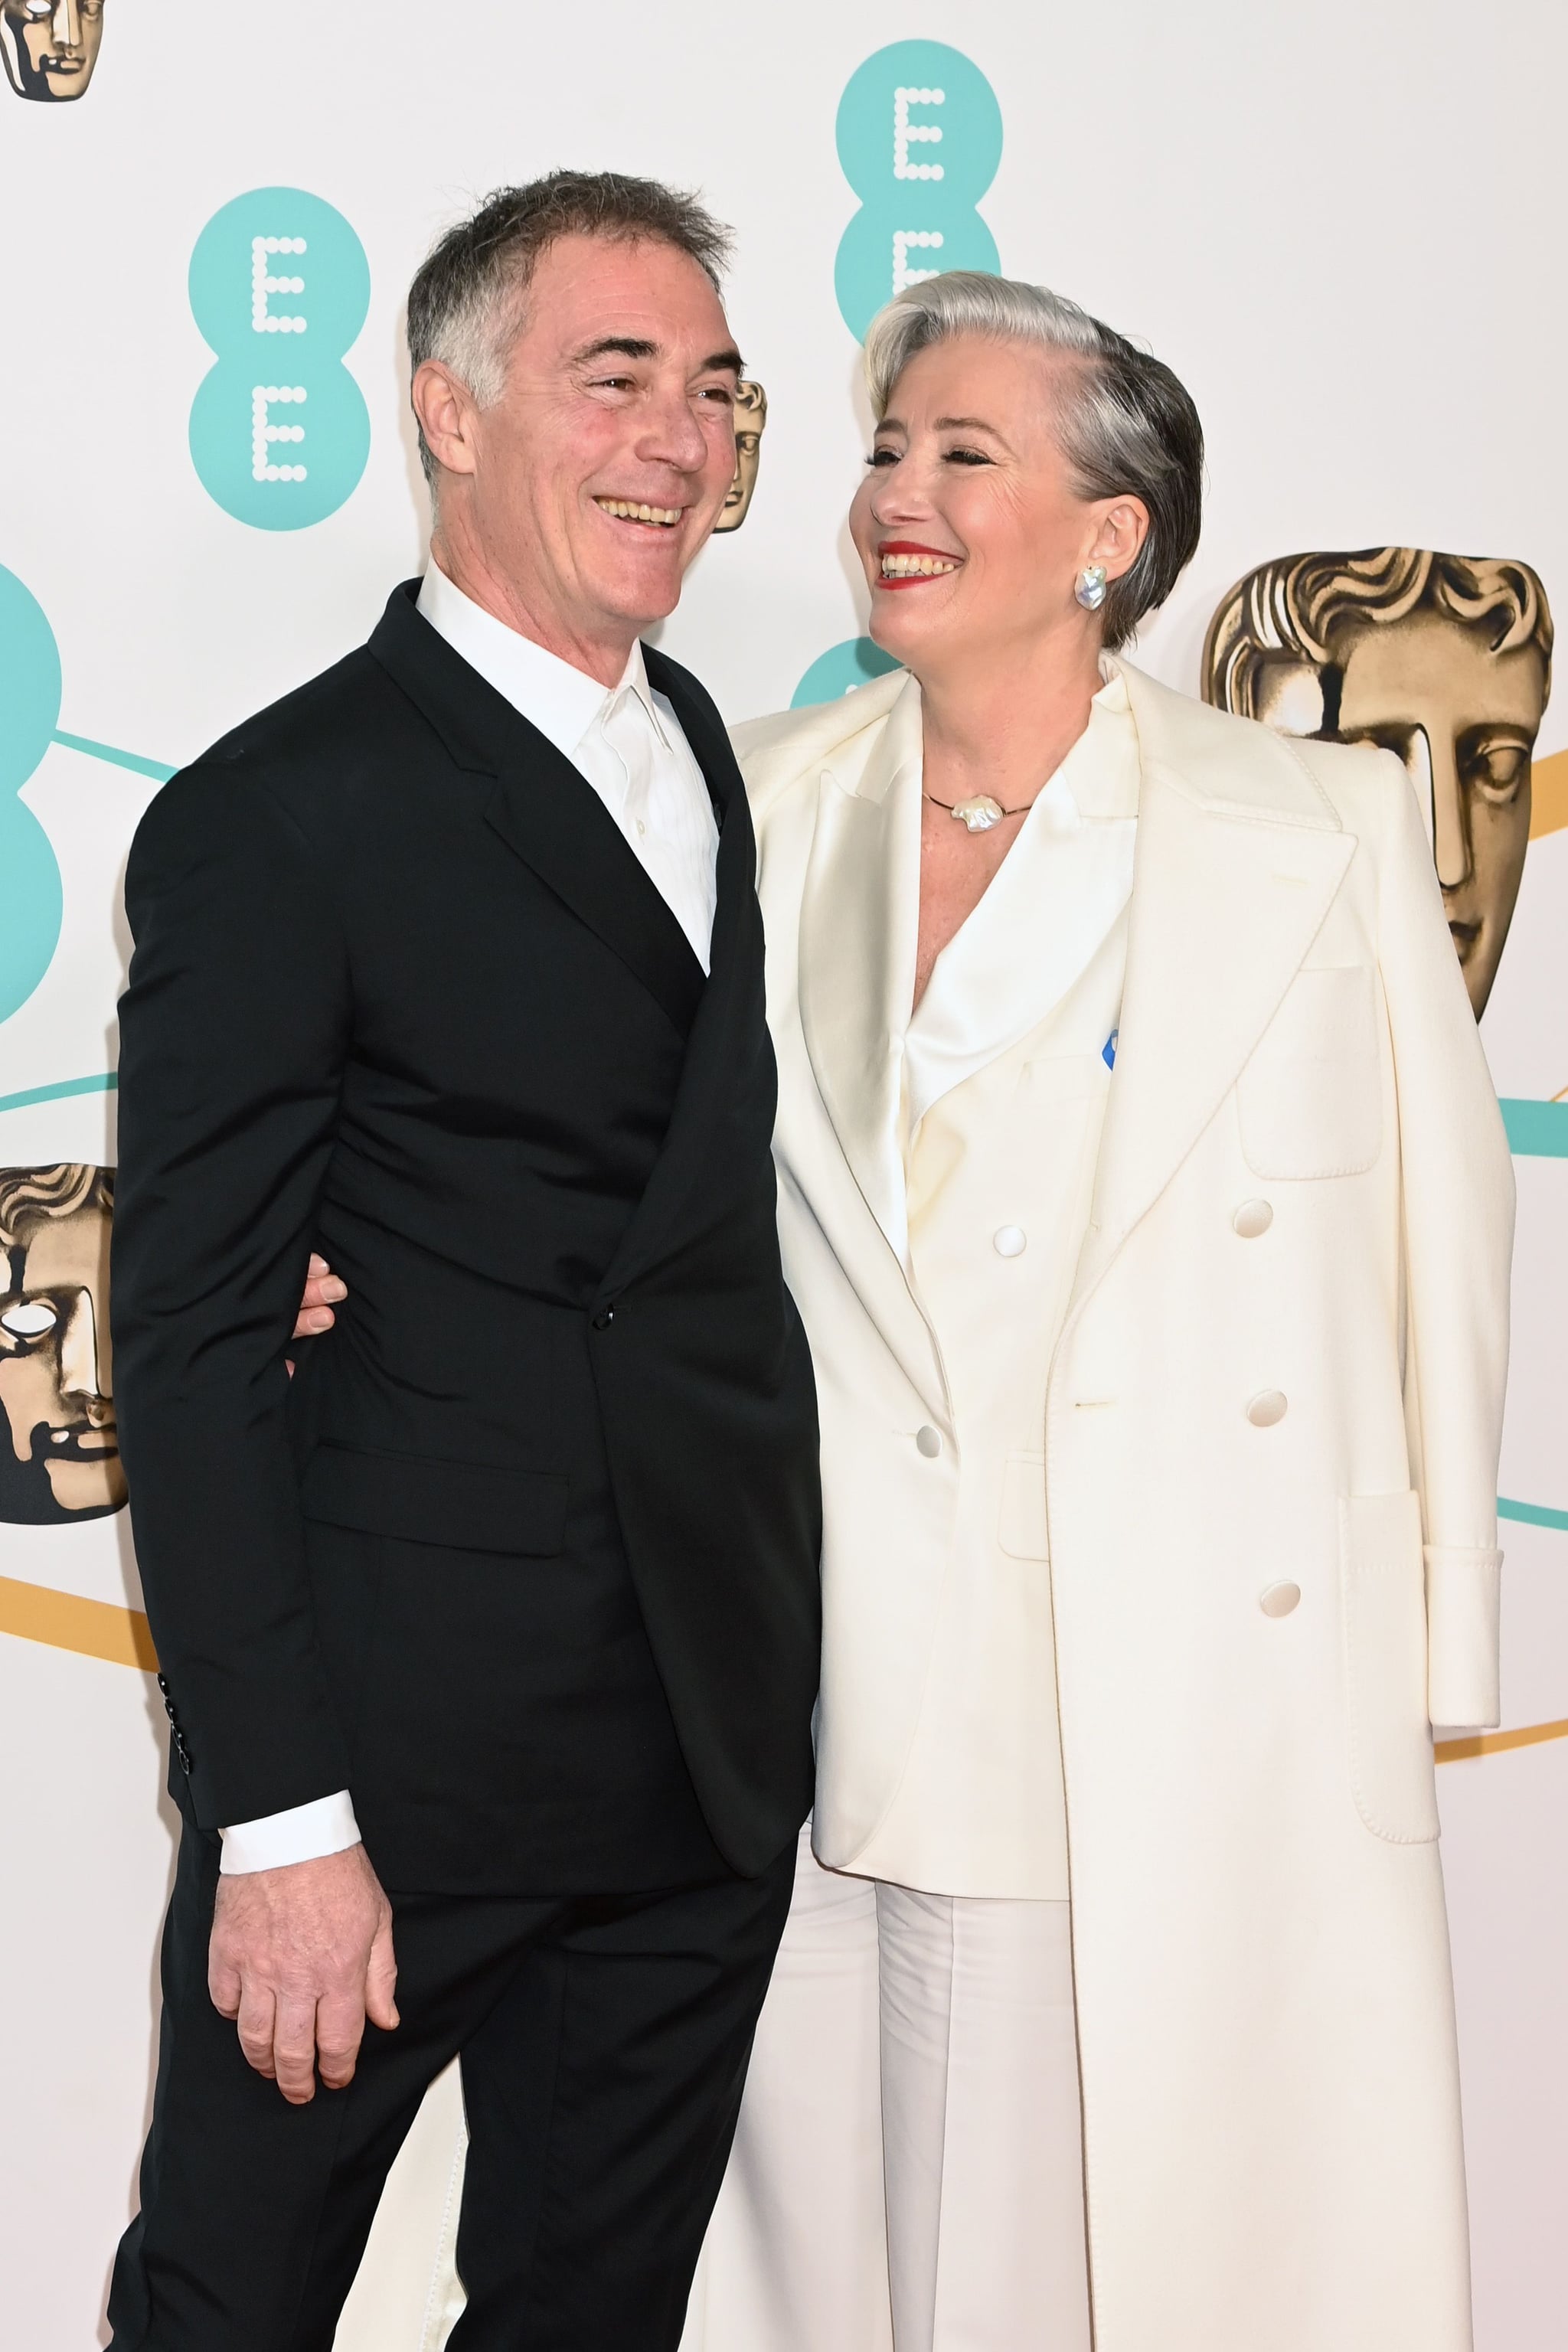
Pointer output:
x,y
234,1032
1458,1180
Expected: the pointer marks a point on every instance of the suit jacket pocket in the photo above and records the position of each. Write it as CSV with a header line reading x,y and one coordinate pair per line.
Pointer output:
x,y
1310,1100
1384,1605
1021,1530
465,1505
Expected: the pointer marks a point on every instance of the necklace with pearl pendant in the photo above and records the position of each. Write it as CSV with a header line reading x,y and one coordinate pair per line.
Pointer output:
x,y
979,815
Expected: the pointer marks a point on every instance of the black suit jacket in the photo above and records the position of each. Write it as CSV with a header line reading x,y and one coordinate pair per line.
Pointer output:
x,y
526,1556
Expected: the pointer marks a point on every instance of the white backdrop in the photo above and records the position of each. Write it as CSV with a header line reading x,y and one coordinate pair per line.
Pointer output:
x,y
1343,227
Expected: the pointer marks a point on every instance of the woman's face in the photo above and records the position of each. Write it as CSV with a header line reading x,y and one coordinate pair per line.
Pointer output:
x,y
971,532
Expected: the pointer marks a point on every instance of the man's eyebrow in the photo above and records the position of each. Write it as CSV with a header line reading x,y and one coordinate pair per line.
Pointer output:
x,y
630,347
637,347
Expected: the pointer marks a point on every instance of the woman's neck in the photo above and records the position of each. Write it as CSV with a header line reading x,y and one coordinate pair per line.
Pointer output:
x,y
1004,723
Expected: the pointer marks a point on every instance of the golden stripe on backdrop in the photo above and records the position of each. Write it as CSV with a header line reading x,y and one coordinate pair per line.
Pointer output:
x,y
102,1629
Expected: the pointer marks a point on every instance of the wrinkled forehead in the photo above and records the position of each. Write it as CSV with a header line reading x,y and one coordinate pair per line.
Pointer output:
x,y
591,293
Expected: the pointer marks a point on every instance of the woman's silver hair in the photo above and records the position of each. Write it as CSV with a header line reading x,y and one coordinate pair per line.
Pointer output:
x,y
1127,424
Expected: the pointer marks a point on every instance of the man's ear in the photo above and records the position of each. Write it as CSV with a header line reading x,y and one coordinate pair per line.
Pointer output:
x,y
445,407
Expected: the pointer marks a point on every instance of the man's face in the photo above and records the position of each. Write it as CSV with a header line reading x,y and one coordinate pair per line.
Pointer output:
x,y
57,1383
50,47
1464,720
602,469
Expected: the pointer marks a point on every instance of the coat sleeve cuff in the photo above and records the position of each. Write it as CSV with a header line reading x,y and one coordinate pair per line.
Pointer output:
x,y
1462,1597
301,1833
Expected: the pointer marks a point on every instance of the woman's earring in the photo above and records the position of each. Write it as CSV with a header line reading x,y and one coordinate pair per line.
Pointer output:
x,y
1090,589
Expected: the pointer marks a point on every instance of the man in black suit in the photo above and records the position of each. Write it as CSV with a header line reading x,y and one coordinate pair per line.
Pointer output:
x,y
490,1643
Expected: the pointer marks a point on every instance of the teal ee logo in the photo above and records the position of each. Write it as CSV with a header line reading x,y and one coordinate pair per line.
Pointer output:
x,y
279,287
919,138
841,670
34,902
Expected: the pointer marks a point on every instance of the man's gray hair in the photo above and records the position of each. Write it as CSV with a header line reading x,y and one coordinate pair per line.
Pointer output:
x,y
466,306
1127,424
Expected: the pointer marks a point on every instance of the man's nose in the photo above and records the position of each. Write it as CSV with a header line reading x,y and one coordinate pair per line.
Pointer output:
x,y
1450,813
84,1359
673,436
68,25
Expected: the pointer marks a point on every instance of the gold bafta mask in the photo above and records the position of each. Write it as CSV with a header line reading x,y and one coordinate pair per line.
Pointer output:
x,y
1446,659
60,1450
50,47
750,417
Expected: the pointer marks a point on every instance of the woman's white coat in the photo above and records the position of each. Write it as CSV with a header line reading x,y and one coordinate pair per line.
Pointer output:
x,y
1272,2148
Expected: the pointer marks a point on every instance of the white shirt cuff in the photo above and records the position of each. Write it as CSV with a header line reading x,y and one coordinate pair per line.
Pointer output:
x,y
302,1833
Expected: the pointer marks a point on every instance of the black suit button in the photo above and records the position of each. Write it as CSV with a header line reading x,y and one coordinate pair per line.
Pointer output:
x,y
604,1319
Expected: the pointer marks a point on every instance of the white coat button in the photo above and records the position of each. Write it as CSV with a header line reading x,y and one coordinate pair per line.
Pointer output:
x,y
1009,1241
1279,1599
1267,1407
1253,1217
928,1441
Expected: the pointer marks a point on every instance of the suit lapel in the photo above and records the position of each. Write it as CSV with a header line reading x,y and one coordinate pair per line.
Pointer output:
x,y
859,912
550,816
1233,878
543,808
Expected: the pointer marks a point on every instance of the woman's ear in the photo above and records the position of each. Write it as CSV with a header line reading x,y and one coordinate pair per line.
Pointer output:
x,y
1124,528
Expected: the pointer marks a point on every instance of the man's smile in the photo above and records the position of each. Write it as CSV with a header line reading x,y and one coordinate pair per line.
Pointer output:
x,y
631,510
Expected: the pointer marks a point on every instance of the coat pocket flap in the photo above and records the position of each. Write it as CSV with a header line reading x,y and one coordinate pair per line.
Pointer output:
x,y
468,1506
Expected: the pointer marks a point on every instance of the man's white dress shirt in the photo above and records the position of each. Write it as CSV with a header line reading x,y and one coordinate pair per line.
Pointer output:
x,y
626,740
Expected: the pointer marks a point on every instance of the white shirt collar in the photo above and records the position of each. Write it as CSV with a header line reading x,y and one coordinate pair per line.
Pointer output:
x,y
563,702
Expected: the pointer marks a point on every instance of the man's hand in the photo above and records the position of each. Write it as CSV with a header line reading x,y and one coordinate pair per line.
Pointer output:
x,y
301,1957
322,1291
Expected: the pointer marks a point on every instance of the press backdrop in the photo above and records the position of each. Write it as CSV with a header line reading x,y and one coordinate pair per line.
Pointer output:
x,y
1344,227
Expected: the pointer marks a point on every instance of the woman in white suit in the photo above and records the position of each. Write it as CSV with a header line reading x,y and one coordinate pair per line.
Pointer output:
x,y
1147,1202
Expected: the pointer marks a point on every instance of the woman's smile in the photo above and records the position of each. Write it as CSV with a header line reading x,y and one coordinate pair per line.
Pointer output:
x,y
906,563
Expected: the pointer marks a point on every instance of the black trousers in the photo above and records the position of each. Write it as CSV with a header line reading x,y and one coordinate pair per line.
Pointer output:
x,y
603,2042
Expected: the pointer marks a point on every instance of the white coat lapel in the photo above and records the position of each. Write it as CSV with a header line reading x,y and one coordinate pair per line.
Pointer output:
x,y
859,913
1239,857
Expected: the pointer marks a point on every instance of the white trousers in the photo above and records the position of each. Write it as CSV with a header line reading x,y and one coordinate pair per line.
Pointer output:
x,y
908,2171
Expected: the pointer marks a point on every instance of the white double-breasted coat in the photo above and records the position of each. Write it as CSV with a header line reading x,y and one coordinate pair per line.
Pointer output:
x,y
1280,1373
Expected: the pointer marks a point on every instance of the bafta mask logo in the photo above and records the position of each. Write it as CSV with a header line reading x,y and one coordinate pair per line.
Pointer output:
x,y
50,47
751,423
60,1455
1444,659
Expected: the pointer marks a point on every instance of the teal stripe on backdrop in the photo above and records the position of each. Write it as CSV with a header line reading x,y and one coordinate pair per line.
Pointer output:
x,y
105,1083
1536,1130
159,770
1532,1515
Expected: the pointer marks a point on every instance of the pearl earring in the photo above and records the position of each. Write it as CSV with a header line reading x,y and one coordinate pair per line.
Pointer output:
x,y
1090,588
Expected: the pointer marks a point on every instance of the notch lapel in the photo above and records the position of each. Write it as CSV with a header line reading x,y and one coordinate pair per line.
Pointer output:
x,y
543,807
550,815
859,917
1230,888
